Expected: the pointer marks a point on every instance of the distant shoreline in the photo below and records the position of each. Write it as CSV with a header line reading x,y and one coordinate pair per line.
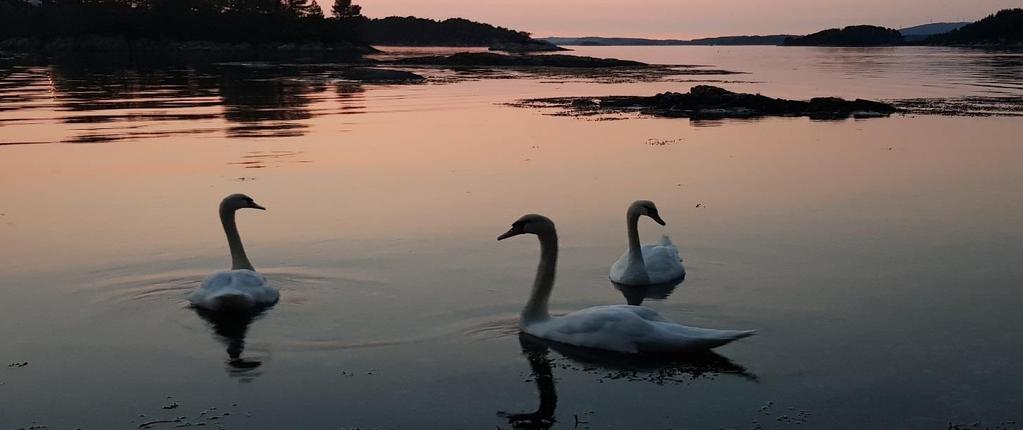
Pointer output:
x,y
1003,29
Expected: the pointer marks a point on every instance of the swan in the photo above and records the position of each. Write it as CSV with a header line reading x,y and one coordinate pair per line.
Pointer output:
x,y
647,264
622,328
241,288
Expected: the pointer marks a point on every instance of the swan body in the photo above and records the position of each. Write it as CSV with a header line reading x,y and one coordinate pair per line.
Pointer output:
x,y
647,264
620,328
234,290
241,288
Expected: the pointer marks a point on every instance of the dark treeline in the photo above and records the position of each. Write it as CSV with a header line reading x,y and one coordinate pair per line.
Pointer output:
x,y
1002,28
410,30
230,21
857,35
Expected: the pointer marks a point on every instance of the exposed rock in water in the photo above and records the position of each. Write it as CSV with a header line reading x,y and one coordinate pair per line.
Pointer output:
x,y
530,46
489,59
709,102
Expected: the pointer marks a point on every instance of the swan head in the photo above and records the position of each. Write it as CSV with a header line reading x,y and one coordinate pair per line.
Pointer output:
x,y
234,202
532,224
648,208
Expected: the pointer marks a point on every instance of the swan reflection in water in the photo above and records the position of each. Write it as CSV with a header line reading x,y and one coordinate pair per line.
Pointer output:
x,y
535,351
658,369
636,294
230,329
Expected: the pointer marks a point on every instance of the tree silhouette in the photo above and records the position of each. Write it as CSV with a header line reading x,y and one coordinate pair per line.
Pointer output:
x,y
345,9
230,21
1002,28
303,8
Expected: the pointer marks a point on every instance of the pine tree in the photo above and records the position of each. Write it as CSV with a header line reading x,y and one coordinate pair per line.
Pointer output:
x,y
303,7
345,9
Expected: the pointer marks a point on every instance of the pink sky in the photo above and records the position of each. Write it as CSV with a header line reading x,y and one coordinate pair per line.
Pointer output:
x,y
687,18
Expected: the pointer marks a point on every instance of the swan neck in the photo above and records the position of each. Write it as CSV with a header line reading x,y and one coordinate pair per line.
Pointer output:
x,y
239,261
635,248
536,308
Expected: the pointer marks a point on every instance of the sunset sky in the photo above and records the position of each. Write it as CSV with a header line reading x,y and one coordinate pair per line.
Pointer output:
x,y
687,18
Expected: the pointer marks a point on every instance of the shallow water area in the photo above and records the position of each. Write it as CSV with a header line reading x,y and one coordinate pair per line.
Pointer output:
x,y
876,258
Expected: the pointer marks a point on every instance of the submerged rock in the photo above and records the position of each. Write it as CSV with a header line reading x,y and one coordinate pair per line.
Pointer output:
x,y
710,102
489,59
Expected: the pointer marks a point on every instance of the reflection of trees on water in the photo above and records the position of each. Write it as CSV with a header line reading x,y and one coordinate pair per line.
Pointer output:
x,y
105,102
266,102
351,97
22,85
130,102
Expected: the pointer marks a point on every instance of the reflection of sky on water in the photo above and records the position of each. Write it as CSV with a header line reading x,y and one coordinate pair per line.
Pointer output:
x,y
877,259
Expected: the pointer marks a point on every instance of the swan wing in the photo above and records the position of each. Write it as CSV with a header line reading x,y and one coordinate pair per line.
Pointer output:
x,y
620,268
663,262
629,329
612,328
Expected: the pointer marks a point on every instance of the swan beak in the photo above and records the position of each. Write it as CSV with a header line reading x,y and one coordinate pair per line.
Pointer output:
x,y
257,206
658,219
514,231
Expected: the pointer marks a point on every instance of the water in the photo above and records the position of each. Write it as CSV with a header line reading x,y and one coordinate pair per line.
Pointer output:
x,y
878,259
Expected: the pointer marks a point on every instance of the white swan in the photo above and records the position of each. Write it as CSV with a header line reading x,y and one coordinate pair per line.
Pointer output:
x,y
622,328
647,264
240,288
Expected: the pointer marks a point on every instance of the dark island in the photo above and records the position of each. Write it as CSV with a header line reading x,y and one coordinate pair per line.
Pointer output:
x,y
709,102
412,31
857,35
489,59
1001,29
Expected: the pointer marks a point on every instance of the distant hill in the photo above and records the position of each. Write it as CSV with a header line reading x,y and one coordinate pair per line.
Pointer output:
x,y
412,31
857,35
1002,28
633,41
921,32
772,39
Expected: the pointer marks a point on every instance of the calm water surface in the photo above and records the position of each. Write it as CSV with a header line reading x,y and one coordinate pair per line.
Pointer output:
x,y
879,259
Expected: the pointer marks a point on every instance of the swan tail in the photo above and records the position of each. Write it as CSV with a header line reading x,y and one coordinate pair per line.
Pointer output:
x,y
708,339
232,302
729,336
739,334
